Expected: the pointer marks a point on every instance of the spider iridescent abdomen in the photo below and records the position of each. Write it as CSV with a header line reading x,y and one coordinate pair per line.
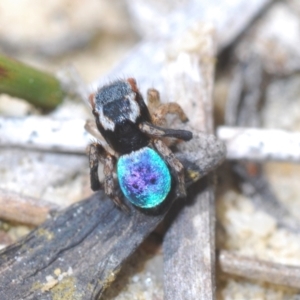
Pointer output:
x,y
144,177
133,151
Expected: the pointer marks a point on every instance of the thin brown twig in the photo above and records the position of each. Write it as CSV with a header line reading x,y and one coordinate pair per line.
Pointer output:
x,y
259,270
23,209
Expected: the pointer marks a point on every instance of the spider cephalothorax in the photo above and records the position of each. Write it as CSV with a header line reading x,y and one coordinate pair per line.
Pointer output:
x,y
135,155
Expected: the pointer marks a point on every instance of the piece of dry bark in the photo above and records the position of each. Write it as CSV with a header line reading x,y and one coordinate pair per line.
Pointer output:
x,y
259,270
78,252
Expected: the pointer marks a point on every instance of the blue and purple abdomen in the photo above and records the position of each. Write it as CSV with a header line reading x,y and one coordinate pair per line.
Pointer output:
x,y
144,178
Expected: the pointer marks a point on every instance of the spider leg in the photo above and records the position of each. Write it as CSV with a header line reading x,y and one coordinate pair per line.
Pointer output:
x,y
94,164
160,132
159,110
97,153
91,127
153,99
176,166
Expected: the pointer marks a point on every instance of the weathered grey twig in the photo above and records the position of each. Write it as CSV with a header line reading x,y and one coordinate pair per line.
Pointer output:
x,y
48,134
260,144
259,270
189,244
44,133
22,209
78,253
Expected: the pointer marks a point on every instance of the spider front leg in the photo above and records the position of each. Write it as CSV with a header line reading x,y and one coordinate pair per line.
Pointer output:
x,y
160,132
176,166
159,110
97,153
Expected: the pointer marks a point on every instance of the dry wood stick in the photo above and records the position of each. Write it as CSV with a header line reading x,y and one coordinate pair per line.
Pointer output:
x,y
44,133
189,244
22,209
259,270
256,144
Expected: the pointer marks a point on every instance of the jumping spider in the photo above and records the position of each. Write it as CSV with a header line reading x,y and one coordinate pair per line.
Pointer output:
x,y
134,151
